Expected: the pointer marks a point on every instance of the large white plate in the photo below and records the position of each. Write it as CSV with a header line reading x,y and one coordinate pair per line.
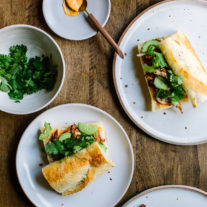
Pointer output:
x,y
103,191
170,196
160,20
78,27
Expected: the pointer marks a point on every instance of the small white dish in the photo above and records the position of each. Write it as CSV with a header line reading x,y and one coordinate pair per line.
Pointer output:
x,y
104,191
160,20
78,27
38,43
169,196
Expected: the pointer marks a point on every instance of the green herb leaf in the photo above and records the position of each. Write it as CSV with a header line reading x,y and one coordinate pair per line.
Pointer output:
x,y
64,136
174,79
4,86
160,84
76,149
51,148
46,131
176,92
175,100
59,146
68,153
158,60
5,61
103,147
151,50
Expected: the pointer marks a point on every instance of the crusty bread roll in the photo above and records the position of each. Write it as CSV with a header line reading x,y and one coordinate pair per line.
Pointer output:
x,y
75,172
183,60
72,173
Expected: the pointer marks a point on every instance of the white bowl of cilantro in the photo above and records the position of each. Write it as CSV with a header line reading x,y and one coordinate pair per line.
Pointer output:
x,y
32,69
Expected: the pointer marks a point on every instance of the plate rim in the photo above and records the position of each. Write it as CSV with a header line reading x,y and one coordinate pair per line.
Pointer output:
x,y
76,39
87,106
185,187
137,123
13,26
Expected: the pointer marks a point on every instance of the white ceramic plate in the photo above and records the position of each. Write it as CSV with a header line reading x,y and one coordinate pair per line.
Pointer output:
x,y
38,43
101,192
75,28
170,196
160,20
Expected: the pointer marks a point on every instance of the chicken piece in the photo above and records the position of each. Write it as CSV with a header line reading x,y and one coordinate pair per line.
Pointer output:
x,y
163,101
161,72
99,136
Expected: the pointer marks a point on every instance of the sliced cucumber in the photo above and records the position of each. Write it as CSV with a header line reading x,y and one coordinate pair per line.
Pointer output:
x,y
149,43
160,84
148,69
87,129
64,136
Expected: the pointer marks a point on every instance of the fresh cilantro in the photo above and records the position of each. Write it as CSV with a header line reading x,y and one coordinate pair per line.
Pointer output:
x,y
51,148
5,61
174,79
76,149
60,147
46,131
176,92
151,50
4,86
103,147
69,145
158,60
20,75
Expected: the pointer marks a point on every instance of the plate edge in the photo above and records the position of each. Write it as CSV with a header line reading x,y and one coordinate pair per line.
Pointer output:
x,y
186,187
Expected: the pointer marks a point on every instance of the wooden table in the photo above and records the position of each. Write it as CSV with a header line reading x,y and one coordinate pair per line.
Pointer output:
x,y
89,80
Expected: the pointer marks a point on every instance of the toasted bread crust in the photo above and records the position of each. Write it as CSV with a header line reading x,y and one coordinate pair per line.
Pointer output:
x,y
75,172
184,61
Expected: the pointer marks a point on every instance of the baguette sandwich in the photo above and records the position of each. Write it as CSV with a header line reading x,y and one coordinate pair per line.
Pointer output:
x,y
77,154
173,72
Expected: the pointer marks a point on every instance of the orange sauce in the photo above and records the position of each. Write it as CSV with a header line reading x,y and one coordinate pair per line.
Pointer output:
x,y
71,7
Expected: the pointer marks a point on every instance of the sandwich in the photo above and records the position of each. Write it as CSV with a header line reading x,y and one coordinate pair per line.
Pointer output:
x,y
77,154
173,72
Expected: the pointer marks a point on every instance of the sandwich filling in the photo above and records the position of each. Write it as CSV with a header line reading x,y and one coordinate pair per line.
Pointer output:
x,y
71,140
166,87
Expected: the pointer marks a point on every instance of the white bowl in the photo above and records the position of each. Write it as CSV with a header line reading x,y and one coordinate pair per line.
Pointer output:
x,y
38,43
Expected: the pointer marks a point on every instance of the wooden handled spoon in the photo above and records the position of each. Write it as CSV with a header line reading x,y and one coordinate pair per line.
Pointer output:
x,y
101,29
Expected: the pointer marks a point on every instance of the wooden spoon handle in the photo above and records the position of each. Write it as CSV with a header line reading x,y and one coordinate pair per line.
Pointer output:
x,y
106,35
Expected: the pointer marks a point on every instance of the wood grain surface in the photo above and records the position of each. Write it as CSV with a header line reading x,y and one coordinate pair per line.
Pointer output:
x,y
89,80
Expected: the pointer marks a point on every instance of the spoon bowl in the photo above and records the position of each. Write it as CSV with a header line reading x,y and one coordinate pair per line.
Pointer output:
x,y
83,6
101,29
